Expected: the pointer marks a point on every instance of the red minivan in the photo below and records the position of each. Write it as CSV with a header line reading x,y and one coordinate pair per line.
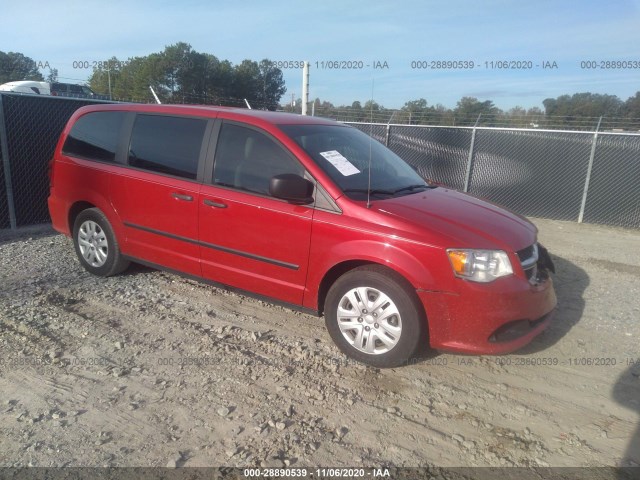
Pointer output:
x,y
307,212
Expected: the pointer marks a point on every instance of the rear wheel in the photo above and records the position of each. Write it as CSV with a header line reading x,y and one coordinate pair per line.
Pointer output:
x,y
374,316
96,244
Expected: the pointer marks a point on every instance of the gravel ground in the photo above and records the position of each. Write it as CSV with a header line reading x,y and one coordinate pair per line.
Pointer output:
x,y
150,369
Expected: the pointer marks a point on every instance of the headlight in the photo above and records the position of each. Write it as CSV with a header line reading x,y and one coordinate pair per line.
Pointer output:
x,y
479,265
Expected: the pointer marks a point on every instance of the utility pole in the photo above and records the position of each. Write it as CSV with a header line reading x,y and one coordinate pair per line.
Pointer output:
x,y
109,75
305,87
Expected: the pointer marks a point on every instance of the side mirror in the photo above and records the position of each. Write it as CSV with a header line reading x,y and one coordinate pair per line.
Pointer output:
x,y
291,187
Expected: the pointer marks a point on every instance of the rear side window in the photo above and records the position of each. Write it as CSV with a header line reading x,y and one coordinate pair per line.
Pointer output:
x,y
166,144
95,136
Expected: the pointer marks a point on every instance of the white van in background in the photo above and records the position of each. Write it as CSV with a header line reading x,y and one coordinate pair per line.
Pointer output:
x,y
27,86
57,89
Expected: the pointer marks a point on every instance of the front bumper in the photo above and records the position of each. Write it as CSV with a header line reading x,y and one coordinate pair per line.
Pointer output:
x,y
494,318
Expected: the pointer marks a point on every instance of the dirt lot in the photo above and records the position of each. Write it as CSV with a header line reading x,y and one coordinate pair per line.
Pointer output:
x,y
150,369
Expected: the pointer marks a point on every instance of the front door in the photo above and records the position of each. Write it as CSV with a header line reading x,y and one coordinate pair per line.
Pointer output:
x,y
249,239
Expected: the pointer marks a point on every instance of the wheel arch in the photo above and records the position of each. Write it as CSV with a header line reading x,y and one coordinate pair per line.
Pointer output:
x,y
75,210
341,268
333,274
105,207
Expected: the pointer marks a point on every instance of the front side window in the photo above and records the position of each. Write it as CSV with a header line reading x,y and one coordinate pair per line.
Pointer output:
x,y
355,162
95,136
247,159
169,145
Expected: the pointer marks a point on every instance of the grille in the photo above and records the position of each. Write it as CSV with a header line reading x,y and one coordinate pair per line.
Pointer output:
x,y
525,253
529,260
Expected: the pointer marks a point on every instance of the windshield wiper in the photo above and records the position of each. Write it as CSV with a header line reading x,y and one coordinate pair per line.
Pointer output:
x,y
380,191
373,191
411,188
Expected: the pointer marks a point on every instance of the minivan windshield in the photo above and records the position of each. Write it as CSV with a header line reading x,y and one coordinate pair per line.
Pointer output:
x,y
348,156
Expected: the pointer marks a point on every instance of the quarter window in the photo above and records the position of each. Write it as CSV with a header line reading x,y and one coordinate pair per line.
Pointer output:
x,y
166,144
95,136
247,159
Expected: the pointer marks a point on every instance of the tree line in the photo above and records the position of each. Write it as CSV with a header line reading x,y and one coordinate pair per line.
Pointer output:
x,y
15,66
179,74
580,110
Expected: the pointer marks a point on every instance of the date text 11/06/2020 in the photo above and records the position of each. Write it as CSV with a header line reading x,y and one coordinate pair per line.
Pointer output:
x,y
421,64
316,473
483,65
418,64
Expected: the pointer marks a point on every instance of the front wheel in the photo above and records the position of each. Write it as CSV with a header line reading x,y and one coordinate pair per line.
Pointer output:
x,y
96,244
374,316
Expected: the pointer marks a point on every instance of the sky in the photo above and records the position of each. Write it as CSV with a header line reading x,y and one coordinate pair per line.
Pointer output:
x,y
405,40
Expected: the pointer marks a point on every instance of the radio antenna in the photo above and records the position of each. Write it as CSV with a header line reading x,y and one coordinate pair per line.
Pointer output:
x,y
370,145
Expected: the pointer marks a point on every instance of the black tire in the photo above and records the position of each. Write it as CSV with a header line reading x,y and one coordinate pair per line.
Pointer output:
x,y
376,279
106,259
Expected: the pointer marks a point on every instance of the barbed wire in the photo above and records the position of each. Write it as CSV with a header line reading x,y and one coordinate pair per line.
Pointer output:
x,y
404,117
449,118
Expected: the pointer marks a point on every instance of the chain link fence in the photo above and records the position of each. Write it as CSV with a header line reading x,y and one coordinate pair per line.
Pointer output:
x,y
440,154
540,174
379,132
613,195
4,206
30,126
565,175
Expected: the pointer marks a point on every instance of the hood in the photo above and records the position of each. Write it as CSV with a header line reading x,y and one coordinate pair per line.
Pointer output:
x,y
464,221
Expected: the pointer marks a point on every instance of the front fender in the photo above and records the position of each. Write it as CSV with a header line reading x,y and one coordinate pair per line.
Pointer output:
x,y
419,264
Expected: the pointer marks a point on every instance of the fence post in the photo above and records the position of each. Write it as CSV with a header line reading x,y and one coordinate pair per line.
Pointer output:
x,y
7,167
467,178
589,168
386,139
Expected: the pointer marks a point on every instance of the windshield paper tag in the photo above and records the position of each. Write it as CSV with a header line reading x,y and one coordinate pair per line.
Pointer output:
x,y
344,166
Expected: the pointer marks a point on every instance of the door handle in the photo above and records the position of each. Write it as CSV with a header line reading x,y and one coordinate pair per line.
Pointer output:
x,y
211,203
180,196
